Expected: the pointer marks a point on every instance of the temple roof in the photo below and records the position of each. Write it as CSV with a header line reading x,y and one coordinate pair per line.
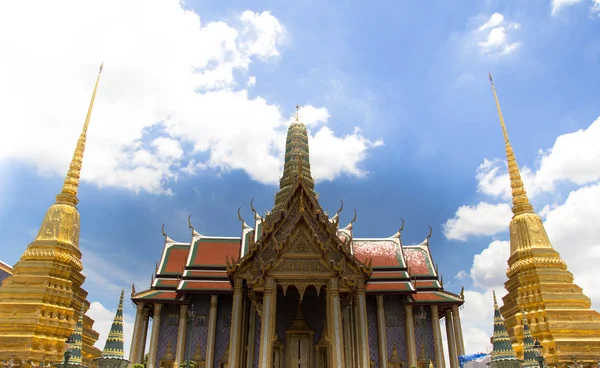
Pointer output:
x,y
397,268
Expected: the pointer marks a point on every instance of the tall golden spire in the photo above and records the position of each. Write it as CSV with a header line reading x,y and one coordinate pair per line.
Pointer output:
x,y
519,195
68,193
39,305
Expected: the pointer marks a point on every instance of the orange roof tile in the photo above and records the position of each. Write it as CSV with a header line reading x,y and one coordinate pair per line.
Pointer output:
x,y
213,251
383,252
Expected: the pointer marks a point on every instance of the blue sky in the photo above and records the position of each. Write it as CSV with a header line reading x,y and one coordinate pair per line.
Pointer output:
x,y
165,143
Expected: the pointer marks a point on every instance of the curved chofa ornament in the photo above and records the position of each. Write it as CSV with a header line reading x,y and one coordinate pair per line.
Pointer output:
x,y
399,232
167,239
244,224
194,232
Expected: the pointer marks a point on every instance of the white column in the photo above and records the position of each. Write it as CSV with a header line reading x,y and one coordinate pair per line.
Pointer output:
x,y
383,359
336,319
235,334
181,334
212,329
267,328
154,337
460,345
411,347
451,342
144,336
440,362
137,329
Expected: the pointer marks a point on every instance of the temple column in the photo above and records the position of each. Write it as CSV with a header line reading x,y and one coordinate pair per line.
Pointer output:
x,y
181,334
460,345
267,329
235,334
337,340
137,330
212,330
144,336
383,359
154,336
440,362
411,346
251,334
451,342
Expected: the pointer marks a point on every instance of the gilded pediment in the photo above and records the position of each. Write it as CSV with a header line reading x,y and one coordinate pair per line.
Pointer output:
x,y
299,241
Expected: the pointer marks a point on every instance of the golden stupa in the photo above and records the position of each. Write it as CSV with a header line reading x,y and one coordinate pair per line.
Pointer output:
x,y
540,287
41,302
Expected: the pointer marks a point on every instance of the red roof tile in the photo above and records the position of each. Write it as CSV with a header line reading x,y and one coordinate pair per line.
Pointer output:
x,y
382,251
213,251
435,296
175,259
388,286
418,261
206,285
206,273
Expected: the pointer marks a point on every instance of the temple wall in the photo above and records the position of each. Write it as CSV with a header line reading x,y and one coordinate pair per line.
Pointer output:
x,y
223,327
257,340
424,333
395,325
169,321
372,329
199,332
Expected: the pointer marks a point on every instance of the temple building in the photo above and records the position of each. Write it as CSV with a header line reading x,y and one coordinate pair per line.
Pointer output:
x,y
296,290
540,287
503,354
41,301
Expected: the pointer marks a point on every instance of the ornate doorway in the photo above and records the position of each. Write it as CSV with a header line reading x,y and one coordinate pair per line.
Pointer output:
x,y
299,343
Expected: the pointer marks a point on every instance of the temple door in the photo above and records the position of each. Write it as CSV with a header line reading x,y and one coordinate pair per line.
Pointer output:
x,y
299,351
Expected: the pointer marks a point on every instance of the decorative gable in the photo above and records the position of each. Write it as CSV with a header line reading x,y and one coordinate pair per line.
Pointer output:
x,y
298,241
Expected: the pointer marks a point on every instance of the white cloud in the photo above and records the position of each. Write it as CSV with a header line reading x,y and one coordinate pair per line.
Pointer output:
x,y
573,158
251,81
496,37
482,219
169,83
559,4
103,319
595,9
489,267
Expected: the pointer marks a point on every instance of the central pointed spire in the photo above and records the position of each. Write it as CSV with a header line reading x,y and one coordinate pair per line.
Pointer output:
x,y
520,201
297,160
68,193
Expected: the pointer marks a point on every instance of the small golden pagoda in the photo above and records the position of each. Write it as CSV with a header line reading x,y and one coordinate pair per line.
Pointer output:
x,y
540,288
41,301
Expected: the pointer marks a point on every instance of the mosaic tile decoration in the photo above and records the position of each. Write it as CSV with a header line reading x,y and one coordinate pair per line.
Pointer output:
x,y
372,330
222,335
424,332
200,333
257,340
393,306
167,333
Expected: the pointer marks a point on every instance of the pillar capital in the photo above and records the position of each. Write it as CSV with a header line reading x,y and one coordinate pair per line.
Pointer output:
x,y
214,300
408,308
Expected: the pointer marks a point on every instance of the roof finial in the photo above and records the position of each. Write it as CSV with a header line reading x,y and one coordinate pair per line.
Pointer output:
x,y
297,111
68,193
520,201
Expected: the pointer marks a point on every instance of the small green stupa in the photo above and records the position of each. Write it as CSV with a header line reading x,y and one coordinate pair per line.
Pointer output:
x,y
113,355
